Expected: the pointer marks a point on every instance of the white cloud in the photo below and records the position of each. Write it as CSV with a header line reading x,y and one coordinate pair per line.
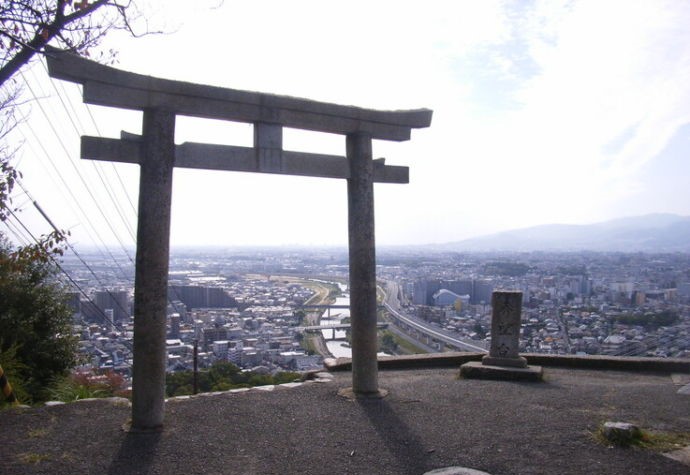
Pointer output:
x,y
543,112
600,74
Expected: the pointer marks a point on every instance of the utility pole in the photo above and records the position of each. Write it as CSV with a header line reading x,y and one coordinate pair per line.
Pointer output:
x,y
195,387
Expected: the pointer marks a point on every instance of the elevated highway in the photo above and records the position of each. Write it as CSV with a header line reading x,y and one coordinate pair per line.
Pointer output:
x,y
340,326
421,330
430,333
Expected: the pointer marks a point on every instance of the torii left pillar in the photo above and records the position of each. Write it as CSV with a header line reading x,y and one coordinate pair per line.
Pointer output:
x,y
151,278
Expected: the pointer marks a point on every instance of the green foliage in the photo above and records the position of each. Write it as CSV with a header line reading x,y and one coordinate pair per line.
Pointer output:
x,y
664,441
12,368
657,441
185,390
223,371
260,380
388,343
222,376
286,377
479,330
79,26
8,174
664,318
66,390
334,291
572,269
308,345
300,314
85,385
620,437
512,269
35,321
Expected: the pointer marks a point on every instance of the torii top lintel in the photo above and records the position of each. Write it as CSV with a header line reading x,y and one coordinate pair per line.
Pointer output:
x,y
107,86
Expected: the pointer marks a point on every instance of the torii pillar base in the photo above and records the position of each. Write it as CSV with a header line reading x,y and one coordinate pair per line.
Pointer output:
x,y
349,393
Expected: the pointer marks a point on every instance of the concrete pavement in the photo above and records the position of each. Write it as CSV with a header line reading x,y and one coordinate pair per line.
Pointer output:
x,y
431,419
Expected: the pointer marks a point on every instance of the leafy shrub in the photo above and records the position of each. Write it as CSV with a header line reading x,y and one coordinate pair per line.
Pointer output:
x,y
85,385
13,369
222,376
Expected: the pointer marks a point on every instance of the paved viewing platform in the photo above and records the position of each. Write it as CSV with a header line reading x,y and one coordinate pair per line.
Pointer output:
x,y
430,419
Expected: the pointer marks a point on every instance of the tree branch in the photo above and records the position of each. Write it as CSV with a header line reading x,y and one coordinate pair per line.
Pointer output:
x,y
43,35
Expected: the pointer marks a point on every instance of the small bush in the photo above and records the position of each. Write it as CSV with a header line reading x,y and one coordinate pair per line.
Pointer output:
x,y
622,434
13,370
86,385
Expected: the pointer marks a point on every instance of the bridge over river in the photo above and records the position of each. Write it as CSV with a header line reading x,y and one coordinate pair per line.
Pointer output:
x,y
419,330
334,328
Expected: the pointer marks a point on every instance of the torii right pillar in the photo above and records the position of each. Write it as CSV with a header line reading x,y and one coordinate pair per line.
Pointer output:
x,y
362,259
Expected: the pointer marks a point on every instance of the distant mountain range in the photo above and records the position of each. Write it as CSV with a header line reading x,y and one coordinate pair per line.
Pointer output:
x,y
649,233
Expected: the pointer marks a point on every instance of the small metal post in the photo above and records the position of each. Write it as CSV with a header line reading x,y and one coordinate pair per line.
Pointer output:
x,y
195,387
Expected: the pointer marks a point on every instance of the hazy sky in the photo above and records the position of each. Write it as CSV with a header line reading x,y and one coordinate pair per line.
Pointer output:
x,y
544,112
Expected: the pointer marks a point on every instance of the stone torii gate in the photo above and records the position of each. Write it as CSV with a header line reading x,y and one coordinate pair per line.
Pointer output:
x,y
156,153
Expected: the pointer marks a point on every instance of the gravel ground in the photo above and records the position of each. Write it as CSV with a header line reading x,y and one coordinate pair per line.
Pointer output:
x,y
430,419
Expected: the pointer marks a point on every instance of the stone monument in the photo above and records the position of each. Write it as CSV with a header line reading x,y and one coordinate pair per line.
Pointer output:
x,y
503,360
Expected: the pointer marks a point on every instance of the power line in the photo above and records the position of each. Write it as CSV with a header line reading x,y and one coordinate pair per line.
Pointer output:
x,y
18,234
76,169
106,186
106,183
75,116
57,264
69,245
72,117
85,216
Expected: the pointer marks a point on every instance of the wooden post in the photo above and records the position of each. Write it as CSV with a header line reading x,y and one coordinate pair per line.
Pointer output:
x,y
151,278
195,381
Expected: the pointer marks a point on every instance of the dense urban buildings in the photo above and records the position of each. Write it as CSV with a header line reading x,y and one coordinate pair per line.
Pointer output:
x,y
248,306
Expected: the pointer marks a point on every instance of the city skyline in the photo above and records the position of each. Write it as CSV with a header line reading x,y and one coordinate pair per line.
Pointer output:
x,y
543,113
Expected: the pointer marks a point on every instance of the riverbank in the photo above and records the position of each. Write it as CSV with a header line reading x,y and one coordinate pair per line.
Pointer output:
x,y
325,294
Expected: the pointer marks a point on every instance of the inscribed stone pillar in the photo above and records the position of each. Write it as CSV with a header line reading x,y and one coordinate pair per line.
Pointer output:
x,y
362,254
151,278
505,330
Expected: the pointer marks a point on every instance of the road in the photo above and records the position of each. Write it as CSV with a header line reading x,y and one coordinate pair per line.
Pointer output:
x,y
419,345
392,304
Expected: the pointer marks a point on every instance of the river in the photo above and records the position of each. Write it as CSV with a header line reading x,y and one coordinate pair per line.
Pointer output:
x,y
335,347
337,314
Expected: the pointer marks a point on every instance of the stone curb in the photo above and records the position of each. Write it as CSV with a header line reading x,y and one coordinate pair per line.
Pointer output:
x,y
456,359
321,377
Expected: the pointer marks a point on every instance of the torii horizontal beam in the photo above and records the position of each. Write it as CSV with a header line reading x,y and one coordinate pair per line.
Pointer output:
x,y
240,159
107,86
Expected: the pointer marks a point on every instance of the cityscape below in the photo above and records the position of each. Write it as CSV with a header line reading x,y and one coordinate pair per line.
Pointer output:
x,y
258,308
